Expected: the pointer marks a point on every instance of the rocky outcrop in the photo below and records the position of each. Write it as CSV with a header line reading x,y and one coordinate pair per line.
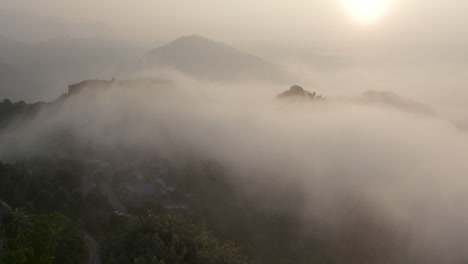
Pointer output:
x,y
298,92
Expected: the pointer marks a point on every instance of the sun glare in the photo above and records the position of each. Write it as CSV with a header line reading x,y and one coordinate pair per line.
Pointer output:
x,y
366,10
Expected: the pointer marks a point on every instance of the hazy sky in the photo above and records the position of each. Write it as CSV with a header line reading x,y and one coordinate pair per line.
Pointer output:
x,y
323,23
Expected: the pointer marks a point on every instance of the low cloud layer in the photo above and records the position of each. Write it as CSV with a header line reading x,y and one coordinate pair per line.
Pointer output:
x,y
345,157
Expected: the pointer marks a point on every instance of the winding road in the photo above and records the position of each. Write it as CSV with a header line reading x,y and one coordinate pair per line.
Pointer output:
x,y
93,249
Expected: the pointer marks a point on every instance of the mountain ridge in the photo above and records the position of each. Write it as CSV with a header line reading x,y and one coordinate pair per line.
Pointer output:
x,y
204,58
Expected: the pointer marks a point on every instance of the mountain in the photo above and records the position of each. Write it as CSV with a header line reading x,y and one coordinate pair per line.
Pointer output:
x,y
54,63
203,58
66,50
297,92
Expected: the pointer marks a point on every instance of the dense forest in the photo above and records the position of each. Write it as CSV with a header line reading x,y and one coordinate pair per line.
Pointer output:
x,y
50,215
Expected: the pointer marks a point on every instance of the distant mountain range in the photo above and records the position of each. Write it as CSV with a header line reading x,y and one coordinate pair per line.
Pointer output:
x,y
203,58
49,66
53,64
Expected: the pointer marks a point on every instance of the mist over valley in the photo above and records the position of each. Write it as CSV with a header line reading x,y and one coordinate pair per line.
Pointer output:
x,y
193,149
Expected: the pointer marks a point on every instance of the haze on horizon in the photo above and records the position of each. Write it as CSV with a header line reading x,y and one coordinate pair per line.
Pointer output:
x,y
416,42
426,26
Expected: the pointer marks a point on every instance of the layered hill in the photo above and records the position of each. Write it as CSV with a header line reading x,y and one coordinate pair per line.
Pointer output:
x,y
51,65
207,59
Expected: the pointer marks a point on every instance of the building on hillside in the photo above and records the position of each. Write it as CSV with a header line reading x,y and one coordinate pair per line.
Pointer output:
x,y
144,194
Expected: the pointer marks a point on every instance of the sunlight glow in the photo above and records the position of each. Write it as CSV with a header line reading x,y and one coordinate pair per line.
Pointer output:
x,y
366,10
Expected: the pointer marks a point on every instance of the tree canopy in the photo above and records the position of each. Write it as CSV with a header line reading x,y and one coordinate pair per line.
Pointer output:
x,y
42,239
168,239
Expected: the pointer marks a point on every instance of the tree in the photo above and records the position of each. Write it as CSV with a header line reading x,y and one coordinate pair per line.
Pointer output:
x,y
168,239
76,205
12,187
46,199
44,239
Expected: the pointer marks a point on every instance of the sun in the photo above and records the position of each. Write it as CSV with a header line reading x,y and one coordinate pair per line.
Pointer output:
x,y
366,10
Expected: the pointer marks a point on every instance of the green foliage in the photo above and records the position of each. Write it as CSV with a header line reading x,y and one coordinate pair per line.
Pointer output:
x,y
43,186
10,111
43,239
99,217
168,239
13,184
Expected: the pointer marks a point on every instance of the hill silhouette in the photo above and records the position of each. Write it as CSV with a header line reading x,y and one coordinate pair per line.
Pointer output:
x,y
51,65
297,92
204,58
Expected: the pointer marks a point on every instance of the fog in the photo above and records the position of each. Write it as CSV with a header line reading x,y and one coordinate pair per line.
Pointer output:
x,y
388,167
402,169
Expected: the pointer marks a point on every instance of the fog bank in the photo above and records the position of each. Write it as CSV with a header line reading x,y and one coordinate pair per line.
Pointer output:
x,y
403,170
